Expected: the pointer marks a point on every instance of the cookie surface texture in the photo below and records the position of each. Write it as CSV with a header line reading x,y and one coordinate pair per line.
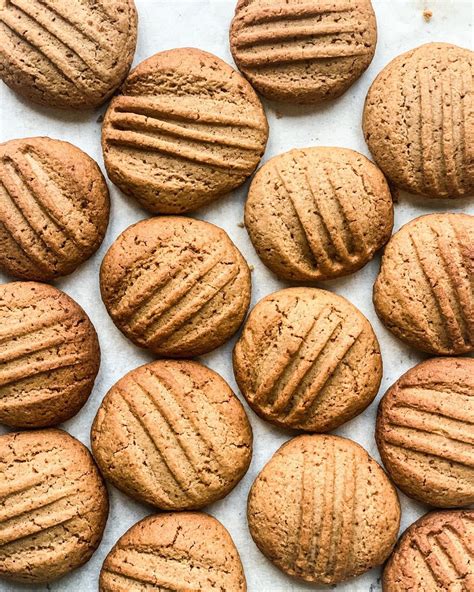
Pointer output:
x,y
307,359
434,554
304,51
49,355
185,129
418,121
172,434
322,510
318,213
54,208
424,293
176,286
53,505
71,55
425,432
181,551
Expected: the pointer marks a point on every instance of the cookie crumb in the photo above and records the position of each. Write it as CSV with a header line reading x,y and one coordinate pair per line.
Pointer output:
x,y
241,225
278,114
427,15
252,268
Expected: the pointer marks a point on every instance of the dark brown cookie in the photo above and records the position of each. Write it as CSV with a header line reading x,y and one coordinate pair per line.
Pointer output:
x,y
49,355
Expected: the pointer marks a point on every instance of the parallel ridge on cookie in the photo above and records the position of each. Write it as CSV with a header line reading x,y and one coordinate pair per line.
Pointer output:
x,y
418,121
434,554
425,432
53,505
322,510
181,551
54,208
185,129
318,213
303,51
63,53
172,434
295,361
49,355
424,292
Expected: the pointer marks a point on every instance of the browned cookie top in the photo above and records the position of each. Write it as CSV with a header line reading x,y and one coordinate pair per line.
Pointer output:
x,y
435,554
418,121
322,510
54,208
49,355
184,551
173,434
307,359
425,432
185,129
318,213
53,505
66,53
304,51
425,292
176,286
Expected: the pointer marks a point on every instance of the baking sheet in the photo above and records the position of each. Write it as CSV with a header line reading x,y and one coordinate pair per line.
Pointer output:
x,y
165,24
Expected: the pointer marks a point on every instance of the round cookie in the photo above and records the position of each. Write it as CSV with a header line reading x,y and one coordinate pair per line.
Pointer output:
x,y
185,129
54,208
322,510
177,286
424,292
307,359
318,213
184,551
418,124
433,555
303,51
172,434
53,505
49,355
71,55
425,432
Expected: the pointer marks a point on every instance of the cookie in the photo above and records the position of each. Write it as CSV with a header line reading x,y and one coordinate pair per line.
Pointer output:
x,y
71,55
53,505
305,51
424,292
307,359
322,510
49,355
172,434
318,213
176,286
418,121
435,554
184,130
186,551
425,432
54,208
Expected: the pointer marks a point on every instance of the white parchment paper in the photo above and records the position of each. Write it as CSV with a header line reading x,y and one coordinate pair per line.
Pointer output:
x,y
165,24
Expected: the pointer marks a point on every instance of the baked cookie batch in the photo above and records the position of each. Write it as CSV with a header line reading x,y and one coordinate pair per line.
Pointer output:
x,y
183,129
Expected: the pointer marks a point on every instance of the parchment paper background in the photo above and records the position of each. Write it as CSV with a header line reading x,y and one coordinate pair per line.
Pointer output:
x,y
165,24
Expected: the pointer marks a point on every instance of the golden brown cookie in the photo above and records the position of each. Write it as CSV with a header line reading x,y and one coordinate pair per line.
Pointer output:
x,y
425,432
322,510
424,293
318,213
172,434
54,208
53,505
304,51
185,129
418,121
187,551
66,54
49,355
435,554
307,359
177,286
